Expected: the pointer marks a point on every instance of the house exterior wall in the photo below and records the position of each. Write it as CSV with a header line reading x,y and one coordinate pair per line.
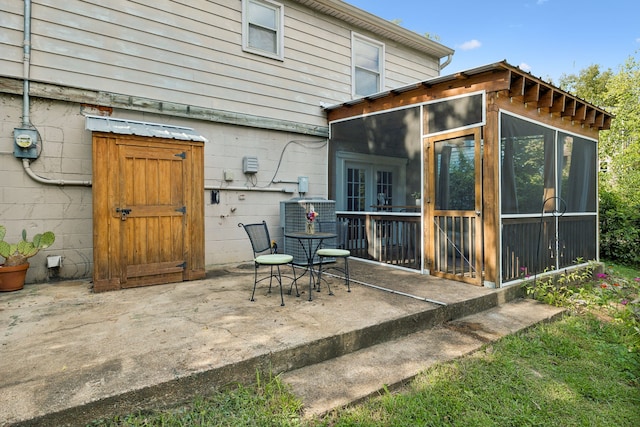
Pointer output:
x,y
27,204
181,64
192,54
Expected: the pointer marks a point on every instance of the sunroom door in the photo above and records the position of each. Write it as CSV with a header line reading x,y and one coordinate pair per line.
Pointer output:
x,y
453,205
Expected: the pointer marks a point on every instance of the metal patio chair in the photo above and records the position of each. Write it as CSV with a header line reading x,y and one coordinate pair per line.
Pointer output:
x,y
341,229
265,253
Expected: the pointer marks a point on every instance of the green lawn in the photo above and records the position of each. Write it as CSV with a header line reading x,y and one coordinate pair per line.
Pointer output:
x,y
583,370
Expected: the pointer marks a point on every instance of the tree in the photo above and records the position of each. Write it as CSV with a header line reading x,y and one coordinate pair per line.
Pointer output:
x,y
623,138
590,84
619,149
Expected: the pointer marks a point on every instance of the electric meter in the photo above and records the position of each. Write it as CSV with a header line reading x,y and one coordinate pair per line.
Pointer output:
x,y
24,140
25,143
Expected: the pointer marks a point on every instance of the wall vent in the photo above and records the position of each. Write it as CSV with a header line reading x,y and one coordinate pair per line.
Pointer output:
x,y
250,164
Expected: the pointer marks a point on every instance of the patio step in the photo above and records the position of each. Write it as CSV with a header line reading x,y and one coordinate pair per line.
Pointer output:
x,y
334,351
350,378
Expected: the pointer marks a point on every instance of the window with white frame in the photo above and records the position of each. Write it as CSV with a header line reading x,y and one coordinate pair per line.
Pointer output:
x,y
263,28
367,59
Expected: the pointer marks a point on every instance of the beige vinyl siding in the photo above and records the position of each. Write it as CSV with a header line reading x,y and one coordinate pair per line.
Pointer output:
x,y
409,67
190,52
402,65
320,52
11,37
401,71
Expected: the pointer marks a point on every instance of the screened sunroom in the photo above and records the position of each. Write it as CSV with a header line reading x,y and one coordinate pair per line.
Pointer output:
x,y
484,176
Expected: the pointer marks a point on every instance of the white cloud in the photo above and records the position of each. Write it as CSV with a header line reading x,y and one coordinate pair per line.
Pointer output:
x,y
541,1
471,44
638,40
525,67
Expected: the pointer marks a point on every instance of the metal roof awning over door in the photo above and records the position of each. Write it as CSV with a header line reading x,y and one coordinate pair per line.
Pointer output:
x,y
133,127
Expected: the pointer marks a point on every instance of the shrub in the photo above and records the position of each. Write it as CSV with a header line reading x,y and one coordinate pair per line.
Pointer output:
x,y
608,293
619,230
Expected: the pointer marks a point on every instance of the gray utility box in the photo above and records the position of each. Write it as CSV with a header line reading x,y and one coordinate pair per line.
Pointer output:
x,y
293,219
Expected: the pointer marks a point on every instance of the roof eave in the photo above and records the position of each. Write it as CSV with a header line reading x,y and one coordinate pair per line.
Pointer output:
x,y
517,83
376,25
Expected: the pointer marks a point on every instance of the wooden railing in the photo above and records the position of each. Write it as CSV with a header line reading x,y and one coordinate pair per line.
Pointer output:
x,y
387,237
455,244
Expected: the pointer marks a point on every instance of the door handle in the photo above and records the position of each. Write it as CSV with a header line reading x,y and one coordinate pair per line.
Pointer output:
x,y
123,213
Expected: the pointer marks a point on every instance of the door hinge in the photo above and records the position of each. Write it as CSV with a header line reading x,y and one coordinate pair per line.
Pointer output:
x,y
182,155
182,210
183,265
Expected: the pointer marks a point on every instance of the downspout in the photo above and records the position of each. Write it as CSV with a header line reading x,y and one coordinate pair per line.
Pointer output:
x,y
447,62
26,120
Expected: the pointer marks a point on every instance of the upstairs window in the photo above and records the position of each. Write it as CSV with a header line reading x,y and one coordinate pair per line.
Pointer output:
x,y
367,66
263,28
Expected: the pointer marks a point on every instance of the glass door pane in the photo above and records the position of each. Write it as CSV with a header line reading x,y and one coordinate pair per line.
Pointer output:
x,y
384,187
356,189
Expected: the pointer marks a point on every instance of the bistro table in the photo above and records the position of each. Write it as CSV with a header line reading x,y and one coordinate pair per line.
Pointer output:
x,y
310,243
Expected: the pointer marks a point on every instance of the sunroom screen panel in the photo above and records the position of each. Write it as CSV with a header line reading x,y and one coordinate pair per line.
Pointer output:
x,y
578,158
528,171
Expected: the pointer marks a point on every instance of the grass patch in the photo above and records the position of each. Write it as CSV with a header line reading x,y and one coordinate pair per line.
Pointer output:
x,y
583,370
268,402
559,374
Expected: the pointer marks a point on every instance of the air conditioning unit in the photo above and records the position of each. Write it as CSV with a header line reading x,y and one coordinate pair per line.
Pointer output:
x,y
293,219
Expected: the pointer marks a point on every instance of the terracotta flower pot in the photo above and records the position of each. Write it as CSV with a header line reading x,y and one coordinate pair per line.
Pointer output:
x,y
12,278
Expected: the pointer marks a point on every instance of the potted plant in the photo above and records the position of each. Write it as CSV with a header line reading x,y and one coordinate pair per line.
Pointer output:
x,y
417,196
16,255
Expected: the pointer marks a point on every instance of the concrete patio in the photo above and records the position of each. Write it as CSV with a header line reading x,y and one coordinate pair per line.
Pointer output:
x,y
70,356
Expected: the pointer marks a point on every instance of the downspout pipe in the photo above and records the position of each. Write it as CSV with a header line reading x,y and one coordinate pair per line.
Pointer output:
x,y
447,62
26,64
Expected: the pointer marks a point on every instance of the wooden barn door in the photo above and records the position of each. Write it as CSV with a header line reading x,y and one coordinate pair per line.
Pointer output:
x,y
151,205
147,209
453,216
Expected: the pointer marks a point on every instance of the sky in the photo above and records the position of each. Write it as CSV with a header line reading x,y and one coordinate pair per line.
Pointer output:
x,y
547,38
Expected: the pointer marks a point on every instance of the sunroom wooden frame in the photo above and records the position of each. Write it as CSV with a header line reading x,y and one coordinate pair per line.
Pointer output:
x,y
506,89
